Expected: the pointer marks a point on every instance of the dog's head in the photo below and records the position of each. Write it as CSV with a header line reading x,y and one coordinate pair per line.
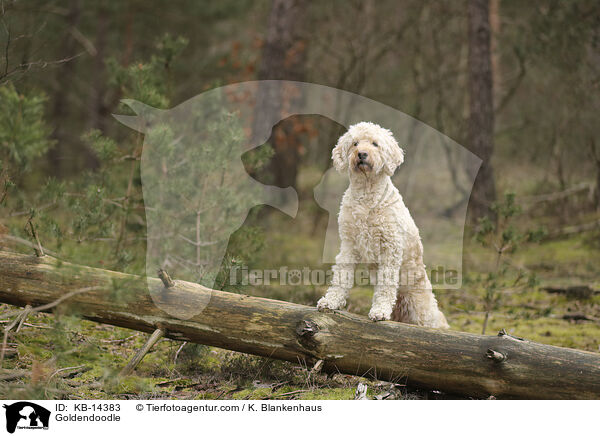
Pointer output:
x,y
367,148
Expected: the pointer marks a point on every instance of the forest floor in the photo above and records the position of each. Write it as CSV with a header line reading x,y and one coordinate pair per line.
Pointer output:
x,y
58,356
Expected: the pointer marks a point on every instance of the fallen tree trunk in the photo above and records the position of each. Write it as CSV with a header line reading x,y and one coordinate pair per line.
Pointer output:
x,y
455,362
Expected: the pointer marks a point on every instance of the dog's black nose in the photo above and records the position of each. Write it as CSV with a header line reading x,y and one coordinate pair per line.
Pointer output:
x,y
363,155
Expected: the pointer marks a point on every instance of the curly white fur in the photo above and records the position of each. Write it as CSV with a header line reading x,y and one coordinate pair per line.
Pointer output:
x,y
376,227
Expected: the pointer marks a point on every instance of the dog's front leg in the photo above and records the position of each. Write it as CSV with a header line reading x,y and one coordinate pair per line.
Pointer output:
x,y
385,292
342,280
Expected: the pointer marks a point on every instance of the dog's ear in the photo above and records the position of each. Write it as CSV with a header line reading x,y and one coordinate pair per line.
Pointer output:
x,y
340,152
394,155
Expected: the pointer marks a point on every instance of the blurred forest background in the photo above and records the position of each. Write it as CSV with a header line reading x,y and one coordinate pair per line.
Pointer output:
x,y
517,83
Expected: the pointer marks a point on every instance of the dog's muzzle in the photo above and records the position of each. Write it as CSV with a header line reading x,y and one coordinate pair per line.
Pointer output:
x,y
362,161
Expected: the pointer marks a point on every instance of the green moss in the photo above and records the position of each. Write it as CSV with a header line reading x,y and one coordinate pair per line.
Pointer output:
x,y
129,385
207,396
252,394
551,331
329,394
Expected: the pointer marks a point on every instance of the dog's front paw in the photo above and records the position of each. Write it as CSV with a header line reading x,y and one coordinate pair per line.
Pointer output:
x,y
379,314
329,303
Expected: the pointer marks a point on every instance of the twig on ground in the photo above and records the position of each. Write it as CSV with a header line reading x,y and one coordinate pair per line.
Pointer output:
x,y
285,394
28,324
119,341
578,316
581,292
13,375
317,367
153,339
177,352
17,321
63,369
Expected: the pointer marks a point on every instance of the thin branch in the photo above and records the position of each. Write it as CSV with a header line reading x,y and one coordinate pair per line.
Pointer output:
x,y
26,66
512,91
165,278
26,243
54,303
534,199
18,320
153,339
22,316
199,243
39,251
85,42
6,48
64,297
26,212
63,369
179,351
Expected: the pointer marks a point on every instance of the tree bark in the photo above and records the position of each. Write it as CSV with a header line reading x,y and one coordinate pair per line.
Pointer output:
x,y
454,362
481,107
61,107
596,160
283,57
98,108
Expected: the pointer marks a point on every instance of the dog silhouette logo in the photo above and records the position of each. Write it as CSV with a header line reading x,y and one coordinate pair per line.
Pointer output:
x,y
198,191
26,415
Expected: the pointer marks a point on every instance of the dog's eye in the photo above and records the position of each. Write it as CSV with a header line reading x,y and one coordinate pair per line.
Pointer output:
x,y
355,144
375,144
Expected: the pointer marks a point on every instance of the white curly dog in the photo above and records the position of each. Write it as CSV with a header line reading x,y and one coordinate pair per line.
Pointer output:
x,y
376,228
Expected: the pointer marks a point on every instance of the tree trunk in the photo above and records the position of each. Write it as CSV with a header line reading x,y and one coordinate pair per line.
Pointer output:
x,y
481,107
98,108
454,362
596,159
61,108
283,58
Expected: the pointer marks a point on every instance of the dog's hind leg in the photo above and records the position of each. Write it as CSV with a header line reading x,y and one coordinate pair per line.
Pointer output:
x,y
416,304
